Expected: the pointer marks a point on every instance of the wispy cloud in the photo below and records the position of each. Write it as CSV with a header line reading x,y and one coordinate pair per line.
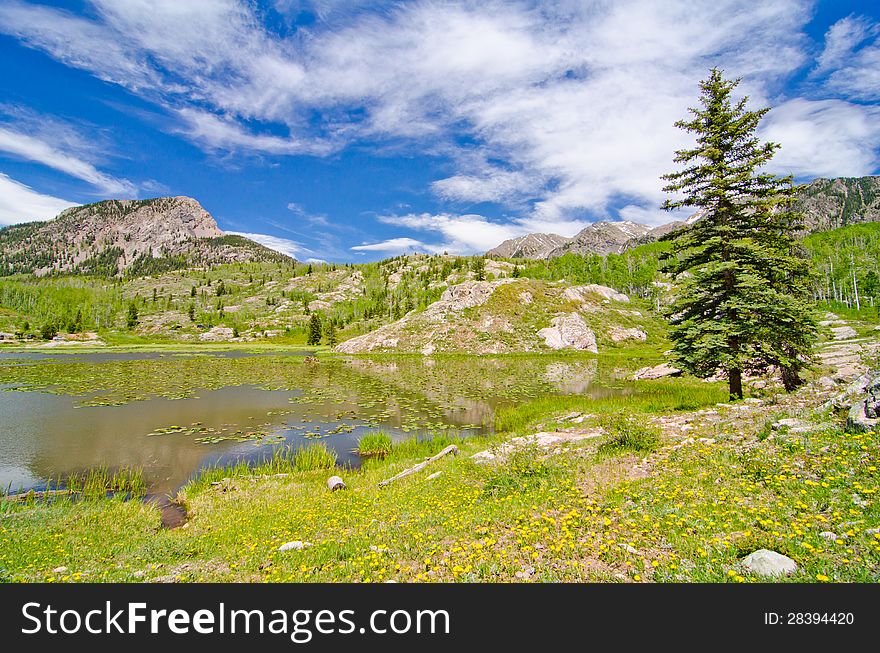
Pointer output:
x,y
20,203
33,149
283,245
394,245
61,146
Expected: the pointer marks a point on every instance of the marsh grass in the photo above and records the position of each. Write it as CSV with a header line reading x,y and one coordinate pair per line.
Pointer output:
x,y
98,483
376,445
284,460
314,457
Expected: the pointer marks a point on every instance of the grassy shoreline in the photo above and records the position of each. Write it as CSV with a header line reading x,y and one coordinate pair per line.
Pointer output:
x,y
687,512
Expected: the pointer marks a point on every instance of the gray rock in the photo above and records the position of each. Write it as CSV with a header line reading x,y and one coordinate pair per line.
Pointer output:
x,y
656,372
769,563
294,546
618,334
857,421
826,382
789,423
335,483
830,536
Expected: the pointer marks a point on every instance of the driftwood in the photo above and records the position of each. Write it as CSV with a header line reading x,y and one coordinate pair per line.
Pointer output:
x,y
451,449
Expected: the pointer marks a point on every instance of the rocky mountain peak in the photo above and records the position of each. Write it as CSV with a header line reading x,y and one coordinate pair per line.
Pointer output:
x,y
108,237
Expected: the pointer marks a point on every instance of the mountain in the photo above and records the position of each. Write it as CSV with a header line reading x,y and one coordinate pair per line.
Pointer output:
x,y
532,246
831,203
130,237
602,238
825,203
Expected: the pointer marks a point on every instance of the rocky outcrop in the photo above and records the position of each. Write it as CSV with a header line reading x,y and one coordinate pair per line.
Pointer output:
x,y
569,332
430,322
502,316
583,293
844,333
114,236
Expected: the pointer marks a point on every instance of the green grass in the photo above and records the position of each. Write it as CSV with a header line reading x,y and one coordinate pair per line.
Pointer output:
x,y
376,444
636,397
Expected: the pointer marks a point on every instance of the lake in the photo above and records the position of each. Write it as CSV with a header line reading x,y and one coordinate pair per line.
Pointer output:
x,y
174,414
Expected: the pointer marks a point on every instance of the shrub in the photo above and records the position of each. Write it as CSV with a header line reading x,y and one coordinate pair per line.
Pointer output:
x,y
626,434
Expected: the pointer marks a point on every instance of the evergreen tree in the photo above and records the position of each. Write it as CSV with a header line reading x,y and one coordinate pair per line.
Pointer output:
x,y
49,330
479,267
742,303
331,334
131,319
314,337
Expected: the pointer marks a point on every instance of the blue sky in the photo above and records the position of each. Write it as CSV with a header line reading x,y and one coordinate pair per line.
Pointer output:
x,y
349,130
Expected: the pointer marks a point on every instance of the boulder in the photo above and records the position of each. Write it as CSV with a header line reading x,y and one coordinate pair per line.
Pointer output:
x,y
618,334
569,332
864,414
335,483
656,372
769,563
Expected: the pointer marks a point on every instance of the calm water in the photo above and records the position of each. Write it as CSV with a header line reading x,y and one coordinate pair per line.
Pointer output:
x,y
47,436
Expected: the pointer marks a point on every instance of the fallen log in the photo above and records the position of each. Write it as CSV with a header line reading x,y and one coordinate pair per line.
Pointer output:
x,y
451,449
36,494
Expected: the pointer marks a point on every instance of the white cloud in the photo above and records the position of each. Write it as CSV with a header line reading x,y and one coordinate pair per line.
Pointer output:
x,y
841,39
32,148
20,203
471,234
827,138
395,245
216,133
570,104
283,245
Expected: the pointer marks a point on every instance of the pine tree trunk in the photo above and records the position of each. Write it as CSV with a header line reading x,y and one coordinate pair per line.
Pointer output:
x,y
735,384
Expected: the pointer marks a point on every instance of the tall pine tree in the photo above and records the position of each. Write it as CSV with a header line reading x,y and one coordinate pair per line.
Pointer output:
x,y
743,302
314,337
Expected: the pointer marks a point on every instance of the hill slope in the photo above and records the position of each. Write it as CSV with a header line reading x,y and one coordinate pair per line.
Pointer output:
x,y
125,236
511,315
